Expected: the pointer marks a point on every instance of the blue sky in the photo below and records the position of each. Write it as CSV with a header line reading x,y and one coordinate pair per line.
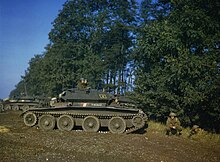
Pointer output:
x,y
24,28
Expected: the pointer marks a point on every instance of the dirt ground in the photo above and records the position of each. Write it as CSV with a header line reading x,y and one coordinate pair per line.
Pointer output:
x,y
21,143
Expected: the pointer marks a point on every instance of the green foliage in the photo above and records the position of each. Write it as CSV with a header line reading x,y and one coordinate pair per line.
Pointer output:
x,y
89,39
178,64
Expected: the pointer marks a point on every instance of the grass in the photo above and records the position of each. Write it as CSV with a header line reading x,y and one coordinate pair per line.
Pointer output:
x,y
202,135
3,129
156,127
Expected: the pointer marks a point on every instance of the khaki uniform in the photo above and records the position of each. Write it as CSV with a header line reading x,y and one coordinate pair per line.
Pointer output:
x,y
83,84
173,124
195,130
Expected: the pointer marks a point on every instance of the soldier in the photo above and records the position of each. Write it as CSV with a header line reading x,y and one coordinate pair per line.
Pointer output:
x,y
195,129
82,84
173,125
113,101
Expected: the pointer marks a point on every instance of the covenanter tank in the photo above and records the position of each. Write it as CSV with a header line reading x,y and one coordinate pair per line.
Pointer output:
x,y
20,103
23,103
90,110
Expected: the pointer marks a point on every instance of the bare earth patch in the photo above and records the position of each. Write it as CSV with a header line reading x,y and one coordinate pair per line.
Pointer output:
x,y
21,143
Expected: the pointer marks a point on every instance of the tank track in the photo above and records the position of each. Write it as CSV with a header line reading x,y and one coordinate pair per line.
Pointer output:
x,y
99,116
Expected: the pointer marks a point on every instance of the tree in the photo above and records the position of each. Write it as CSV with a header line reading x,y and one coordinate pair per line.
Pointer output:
x,y
178,63
32,77
89,39
102,30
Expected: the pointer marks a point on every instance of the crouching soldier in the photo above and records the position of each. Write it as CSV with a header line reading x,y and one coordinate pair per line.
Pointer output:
x,y
195,130
173,125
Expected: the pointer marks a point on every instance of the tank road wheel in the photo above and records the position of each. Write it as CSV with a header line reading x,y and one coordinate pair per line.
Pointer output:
x,y
91,124
8,107
137,121
15,107
65,123
30,119
47,122
117,125
25,107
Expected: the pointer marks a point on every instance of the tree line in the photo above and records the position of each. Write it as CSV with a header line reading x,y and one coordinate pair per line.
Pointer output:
x,y
164,54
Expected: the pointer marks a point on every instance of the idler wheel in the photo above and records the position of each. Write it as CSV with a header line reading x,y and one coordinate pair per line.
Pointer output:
x,y
91,124
117,125
30,119
65,123
137,121
47,122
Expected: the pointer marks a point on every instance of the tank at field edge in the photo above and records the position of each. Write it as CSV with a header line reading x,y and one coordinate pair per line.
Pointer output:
x,y
23,103
20,103
87,109
1,105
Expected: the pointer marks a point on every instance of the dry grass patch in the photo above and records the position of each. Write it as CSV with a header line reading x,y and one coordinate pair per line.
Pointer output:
x,y
202,135
156,127
3,129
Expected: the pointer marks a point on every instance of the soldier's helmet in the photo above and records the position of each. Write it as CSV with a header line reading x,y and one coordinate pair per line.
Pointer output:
x,y
172,114
195,127
82,80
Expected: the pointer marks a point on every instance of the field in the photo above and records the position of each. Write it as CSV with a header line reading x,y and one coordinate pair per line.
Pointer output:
x,y
21,143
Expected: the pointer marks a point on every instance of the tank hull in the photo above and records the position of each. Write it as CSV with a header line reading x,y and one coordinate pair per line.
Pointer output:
x,y
90,118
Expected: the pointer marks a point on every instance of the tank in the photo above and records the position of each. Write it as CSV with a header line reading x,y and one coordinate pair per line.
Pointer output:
x,y
88,110
1,105
22,103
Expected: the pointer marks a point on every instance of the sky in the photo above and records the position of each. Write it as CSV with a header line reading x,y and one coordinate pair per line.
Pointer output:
x,y
24,29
